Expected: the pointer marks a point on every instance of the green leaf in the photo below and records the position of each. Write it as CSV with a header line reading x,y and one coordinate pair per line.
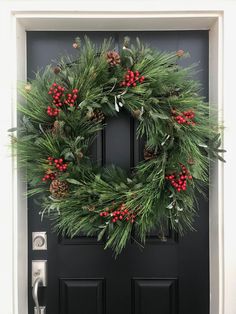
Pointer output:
x,y
156,115
72,109
138,186
101,234
221,158
83,104
129,180
12,130
73,181
69,156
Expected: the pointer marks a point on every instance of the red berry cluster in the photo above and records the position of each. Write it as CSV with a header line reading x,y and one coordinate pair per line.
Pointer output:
x,y
185,117
58,165
179,180
49,176
53,112
60,99
71,98
57,93
121,213
132,78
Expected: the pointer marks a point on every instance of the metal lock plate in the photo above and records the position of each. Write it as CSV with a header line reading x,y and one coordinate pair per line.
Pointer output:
x,y
39,240
39,270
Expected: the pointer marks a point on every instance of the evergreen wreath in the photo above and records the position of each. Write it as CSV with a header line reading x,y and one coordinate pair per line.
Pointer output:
x,y
64,109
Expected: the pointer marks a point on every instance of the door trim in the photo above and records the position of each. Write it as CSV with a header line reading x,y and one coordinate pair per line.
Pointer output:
x,y
18,17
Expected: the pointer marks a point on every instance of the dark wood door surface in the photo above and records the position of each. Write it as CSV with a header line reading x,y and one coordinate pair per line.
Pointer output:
x,y
166,277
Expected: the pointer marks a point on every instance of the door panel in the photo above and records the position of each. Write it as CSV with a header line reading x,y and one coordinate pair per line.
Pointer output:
x,y
170,275
87,294
154,295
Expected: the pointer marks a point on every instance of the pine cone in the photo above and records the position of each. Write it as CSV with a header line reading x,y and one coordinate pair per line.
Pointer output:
x,y
97,116
57,70
58,128
91,208
28,87
180,53
137,113
191,161
80,155
59,189
149,154
113,58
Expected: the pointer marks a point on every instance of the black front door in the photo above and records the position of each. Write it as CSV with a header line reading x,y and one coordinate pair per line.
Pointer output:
x,y
168,276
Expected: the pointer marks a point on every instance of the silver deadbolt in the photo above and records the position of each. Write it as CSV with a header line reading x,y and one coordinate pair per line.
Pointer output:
x,y
39,240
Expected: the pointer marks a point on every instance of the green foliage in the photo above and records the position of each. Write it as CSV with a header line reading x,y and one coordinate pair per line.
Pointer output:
x,y
152,202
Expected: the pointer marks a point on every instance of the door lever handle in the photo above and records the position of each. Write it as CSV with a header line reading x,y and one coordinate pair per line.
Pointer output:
x,y
37,309
36,284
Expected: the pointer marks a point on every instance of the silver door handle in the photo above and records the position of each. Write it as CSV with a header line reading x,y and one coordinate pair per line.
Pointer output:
x,y
38,309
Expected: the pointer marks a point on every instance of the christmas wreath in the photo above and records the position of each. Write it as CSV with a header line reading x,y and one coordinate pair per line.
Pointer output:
x,y
64,109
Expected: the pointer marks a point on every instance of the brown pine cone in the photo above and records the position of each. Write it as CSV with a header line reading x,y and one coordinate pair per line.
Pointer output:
x,y
28,87
80,155
97,116
137,113
57,70
149,154
59,189
91,208
191,161
180,53
113,58
58,128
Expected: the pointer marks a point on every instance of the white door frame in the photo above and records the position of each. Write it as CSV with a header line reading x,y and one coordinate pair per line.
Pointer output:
x,y
219,18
